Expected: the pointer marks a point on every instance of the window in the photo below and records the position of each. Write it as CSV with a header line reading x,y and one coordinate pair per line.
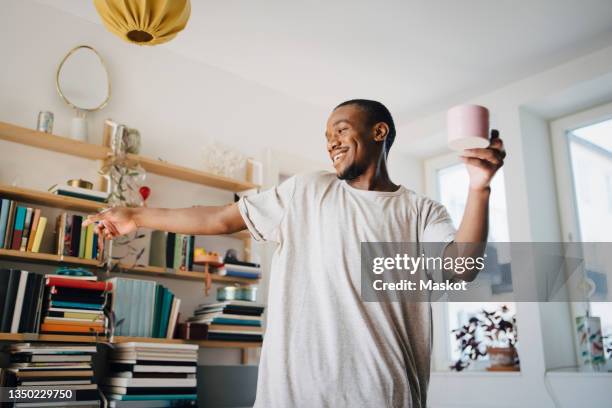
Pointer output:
x,y
582,144
590,149
448,182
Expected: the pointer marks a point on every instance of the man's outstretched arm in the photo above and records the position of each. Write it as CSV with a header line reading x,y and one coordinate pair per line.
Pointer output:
x,y
200,220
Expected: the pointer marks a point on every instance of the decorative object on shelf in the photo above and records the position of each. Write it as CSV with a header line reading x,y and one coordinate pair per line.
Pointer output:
x,y
125,177
488,333
80,183
254,172
144,22
145,192
83,82
590,343
222,160
45,122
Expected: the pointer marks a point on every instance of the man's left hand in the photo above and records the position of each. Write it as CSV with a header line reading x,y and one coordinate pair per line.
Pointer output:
x,y
482,164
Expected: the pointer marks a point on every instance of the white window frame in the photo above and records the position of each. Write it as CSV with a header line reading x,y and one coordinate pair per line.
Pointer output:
x,y
441,352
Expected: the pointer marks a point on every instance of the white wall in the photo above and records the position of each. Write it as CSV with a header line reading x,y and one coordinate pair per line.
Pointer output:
x,y
546,330
175,103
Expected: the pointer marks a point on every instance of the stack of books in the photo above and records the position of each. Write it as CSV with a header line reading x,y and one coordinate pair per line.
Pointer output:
x,y
242,270
149,374
21,297
144,308
75,305
172,251
21,228
75,240
34,366
233,320
79,192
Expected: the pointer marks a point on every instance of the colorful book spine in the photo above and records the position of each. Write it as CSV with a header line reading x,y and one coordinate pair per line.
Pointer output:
x,y
33,228
8,234
40,230
4,210
82,242
26,229
89,242
20,214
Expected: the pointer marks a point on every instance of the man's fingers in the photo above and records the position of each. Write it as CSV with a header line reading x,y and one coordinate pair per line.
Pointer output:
x,y
483,164
490,155
91,219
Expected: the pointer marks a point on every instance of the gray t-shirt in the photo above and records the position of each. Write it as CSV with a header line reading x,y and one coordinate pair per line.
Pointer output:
x,y
323,346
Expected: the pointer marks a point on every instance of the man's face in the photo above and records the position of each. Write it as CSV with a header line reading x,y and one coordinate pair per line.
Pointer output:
x,y
350,142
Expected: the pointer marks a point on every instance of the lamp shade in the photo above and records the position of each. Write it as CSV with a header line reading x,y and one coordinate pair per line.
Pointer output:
x,y
144,22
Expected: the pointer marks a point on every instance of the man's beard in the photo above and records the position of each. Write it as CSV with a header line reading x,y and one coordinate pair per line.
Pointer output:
x,y
351,172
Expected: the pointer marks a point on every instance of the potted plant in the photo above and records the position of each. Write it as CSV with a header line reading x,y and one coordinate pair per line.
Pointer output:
x,y
492,334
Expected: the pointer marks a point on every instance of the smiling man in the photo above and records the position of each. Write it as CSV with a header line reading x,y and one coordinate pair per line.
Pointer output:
x,y
323,346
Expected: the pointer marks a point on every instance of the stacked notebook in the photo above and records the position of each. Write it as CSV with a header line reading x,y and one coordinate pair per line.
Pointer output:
x,y
233,320
79,192
152,374
75,240
60,366
240,271
144,308
75,305
21,228
21,296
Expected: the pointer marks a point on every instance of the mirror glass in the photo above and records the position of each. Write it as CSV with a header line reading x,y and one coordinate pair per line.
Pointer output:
x,y
82,79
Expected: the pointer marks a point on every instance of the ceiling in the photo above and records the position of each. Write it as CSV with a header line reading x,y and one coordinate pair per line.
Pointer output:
x,y
415,56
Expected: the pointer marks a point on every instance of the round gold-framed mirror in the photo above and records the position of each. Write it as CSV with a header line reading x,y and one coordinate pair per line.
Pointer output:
x,y
82,79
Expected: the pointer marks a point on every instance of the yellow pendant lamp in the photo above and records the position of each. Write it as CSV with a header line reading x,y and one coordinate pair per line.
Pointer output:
x,y
144,22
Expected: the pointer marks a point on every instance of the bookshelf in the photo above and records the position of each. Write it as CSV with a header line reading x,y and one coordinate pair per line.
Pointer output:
x,y
29,137
41,140
122,339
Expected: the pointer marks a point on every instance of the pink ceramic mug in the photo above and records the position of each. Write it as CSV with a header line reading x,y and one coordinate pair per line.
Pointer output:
x,y
468,127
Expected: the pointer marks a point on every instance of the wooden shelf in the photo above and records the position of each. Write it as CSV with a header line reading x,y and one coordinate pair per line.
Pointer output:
x,y
47,258
30,137
124,339
41,140
50,200
93,263
194,176
188,275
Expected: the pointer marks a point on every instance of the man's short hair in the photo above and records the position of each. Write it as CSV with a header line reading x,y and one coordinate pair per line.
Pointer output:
x,y
377,112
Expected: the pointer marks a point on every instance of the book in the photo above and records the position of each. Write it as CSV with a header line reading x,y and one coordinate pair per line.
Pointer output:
x,y
67,250
75,241
144,367
33,228
20,215
89,241
9,300
40,230
165,313
150,382
79,192
19,298
26,229
8,234
60,230
4,210
82,241
69,328
157,253
170,243
69,282
176,304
